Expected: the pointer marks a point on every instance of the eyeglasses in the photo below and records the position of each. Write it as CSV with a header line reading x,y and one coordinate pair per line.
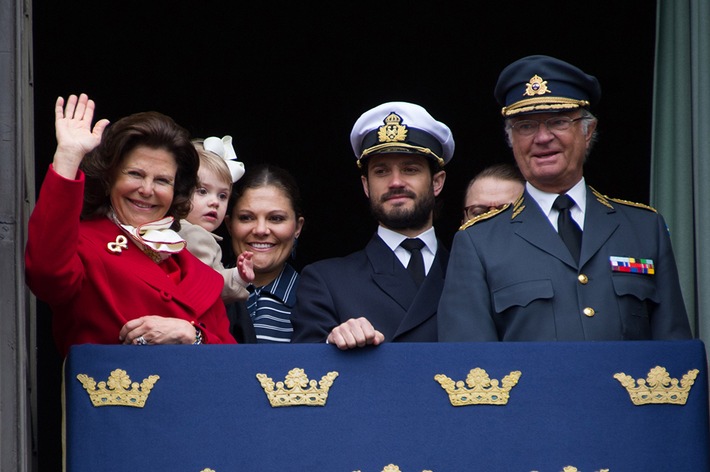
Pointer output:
x,y
557,123
475,210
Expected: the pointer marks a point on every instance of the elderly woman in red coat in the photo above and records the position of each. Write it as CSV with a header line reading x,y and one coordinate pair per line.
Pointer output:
x,y
102,248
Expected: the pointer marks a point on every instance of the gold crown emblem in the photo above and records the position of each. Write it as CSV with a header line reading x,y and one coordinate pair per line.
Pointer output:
x,y
536,86
115,391
299,390
571,468
481,389
393,130
393,468
659,387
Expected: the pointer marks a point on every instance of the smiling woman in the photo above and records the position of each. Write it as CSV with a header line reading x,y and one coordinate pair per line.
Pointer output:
x,y
143,188
265,218
104,226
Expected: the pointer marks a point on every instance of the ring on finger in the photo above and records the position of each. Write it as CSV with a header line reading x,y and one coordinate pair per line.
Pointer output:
x,y
141,341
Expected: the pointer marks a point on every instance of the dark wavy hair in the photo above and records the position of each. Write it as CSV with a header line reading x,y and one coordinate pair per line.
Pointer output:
x,y
263,175
151,129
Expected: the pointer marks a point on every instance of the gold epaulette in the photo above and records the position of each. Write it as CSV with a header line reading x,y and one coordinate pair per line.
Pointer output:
x,y
634,204
604,200
484,216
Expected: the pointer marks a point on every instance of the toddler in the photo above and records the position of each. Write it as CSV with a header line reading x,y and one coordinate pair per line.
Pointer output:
x,y
218,170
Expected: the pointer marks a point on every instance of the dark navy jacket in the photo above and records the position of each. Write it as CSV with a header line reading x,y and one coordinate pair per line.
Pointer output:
x,y
371,283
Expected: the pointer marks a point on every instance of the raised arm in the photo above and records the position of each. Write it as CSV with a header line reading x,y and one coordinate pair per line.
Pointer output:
x,y
75,136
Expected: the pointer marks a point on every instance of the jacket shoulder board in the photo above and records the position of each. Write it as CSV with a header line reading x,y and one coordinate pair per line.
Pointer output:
x,y
484,216
634,204
605,200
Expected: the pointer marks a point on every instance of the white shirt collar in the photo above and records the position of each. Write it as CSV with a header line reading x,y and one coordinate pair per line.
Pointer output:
x,y
545,200
393,239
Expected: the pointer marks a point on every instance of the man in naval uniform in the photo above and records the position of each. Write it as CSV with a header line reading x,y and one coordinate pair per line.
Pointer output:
x,y
390,290
564,262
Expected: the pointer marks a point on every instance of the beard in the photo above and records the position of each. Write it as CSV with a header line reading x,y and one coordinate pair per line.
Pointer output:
x,y
400,218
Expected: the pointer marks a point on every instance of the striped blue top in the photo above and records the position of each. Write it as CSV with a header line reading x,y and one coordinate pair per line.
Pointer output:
x,y
270,307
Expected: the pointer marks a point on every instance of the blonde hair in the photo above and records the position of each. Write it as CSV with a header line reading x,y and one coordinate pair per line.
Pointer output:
x,y
213,163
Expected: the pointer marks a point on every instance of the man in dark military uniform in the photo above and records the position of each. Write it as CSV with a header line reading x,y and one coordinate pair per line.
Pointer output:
x,y
564,262
389,291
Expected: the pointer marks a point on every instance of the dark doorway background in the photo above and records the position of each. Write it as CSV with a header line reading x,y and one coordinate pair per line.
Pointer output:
x,y
288,81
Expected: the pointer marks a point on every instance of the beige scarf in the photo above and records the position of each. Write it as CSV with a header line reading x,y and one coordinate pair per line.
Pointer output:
x,y
155,238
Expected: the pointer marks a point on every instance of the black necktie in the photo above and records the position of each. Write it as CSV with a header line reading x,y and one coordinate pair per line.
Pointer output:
x,y
416,262
568,229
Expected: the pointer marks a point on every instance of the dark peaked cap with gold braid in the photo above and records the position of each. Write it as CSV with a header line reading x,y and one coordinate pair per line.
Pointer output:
x,y
401,127
544,84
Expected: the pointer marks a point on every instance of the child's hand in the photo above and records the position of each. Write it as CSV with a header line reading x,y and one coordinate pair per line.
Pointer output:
x,y
245,266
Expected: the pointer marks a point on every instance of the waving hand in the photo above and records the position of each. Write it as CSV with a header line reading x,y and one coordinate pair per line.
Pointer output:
x,y
75,136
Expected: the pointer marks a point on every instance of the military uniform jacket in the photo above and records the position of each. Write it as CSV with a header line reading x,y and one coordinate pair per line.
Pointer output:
x,y
371,283
511,278
92,291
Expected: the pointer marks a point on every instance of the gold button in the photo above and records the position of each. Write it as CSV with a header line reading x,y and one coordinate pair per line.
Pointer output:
x,y
589,312
583,279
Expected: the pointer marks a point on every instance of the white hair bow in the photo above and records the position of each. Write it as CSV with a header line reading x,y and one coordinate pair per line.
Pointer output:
x,y
224,149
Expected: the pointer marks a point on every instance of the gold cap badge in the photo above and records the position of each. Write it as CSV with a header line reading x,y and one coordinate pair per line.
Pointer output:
x,y
536,86
393,130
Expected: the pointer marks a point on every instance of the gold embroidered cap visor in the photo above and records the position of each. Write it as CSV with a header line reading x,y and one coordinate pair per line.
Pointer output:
x,y
401,127
544,84
418,142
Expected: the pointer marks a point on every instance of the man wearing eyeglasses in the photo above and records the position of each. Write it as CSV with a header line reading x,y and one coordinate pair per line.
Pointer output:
x,y
492,188
563,262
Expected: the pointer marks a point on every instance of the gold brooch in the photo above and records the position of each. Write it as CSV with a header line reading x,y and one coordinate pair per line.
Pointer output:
x,y
120,244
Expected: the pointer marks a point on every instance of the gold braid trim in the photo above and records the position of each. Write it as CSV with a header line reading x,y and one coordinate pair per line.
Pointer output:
x,y
543,103
618,200
420,149
601,198
634,204
484,216
518,206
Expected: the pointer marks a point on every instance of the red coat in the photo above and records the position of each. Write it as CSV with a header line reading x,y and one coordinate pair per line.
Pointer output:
x,y
92,291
